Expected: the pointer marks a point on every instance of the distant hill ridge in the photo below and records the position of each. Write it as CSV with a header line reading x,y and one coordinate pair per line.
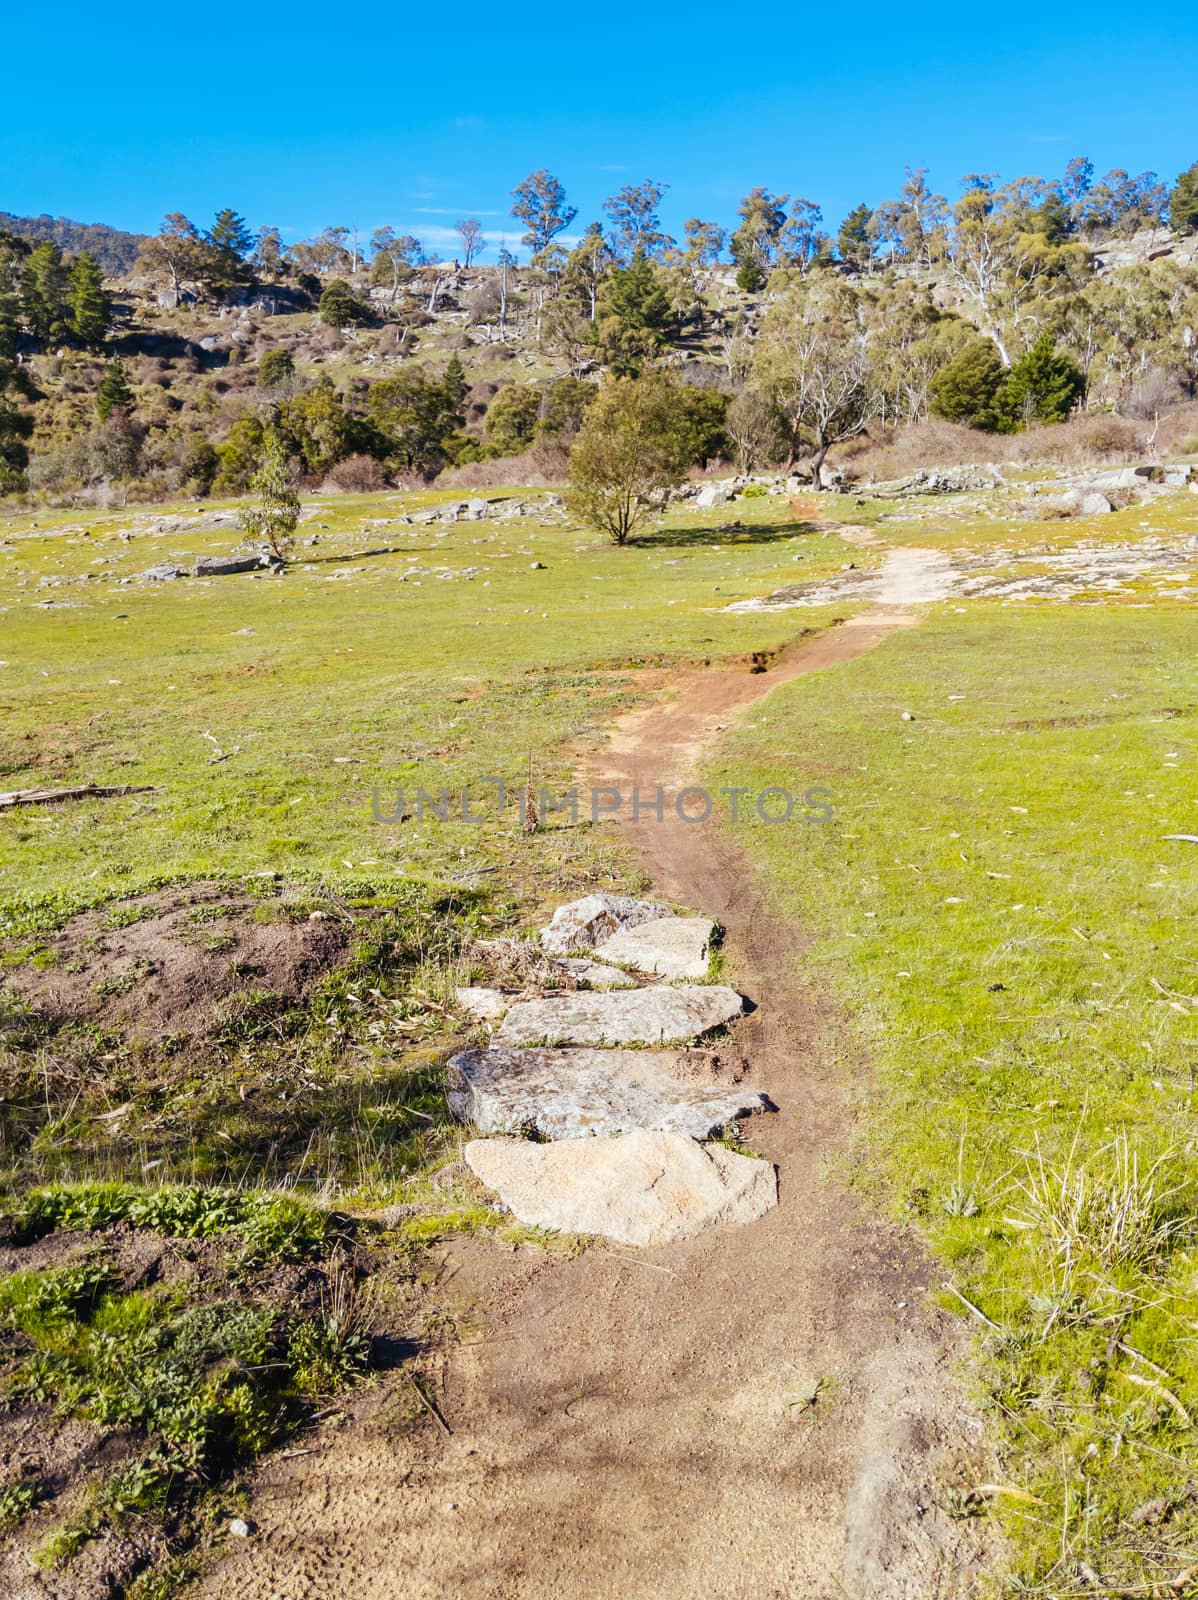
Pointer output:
x,y
114,250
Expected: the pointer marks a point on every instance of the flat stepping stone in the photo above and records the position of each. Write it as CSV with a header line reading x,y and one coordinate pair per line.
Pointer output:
x,y
635,1016
594,975
641,1189
673,947
582,924
572,1094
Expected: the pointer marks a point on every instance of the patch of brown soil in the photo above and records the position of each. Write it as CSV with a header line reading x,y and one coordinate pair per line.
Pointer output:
x,y
761,1413
177,972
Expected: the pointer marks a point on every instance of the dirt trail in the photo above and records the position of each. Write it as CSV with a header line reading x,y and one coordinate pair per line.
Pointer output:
x,y
627,1426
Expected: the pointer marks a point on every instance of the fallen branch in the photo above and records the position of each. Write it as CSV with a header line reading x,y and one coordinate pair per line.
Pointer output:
x,y
84,791
977,1311
1155,1590
1166,1394
430,1407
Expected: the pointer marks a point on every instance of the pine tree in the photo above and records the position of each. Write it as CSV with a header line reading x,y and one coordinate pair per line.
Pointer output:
x,y
634,317
853,240
454,383
229,242
1042,386
1183,202
749,276
114,391
44,292
90,309
274,516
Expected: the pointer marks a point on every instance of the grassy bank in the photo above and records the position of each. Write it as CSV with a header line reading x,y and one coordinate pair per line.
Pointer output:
x,y
1014,937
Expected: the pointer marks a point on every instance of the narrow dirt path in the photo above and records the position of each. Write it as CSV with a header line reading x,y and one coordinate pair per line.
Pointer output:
x,y
630,1425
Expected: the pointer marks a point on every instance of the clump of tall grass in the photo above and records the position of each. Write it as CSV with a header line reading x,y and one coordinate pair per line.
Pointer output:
x,y
1112,1210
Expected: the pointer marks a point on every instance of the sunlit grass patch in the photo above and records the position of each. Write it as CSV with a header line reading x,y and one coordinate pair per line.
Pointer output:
x,y
1013,935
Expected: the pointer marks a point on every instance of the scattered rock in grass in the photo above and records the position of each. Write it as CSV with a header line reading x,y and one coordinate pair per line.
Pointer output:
x,y
225,566
585,923
637,1016
644,1188
714,494
486,1005
672,947
162,574
573,1094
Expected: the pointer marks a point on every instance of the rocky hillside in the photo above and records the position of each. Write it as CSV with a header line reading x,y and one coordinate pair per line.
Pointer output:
x,y
399,370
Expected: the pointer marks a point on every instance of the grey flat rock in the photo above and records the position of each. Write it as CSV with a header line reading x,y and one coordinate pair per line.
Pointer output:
x,y
225,566
582,924
573,1094
673,947
635,1016
639,1189
594,975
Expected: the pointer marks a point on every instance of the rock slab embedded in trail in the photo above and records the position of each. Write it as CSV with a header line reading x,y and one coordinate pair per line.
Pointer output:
x,y
640,1189
635,1016
582,924
573,1094
594,975
672,947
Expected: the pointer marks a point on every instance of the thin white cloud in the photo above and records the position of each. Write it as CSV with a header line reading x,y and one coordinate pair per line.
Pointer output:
x,y
453,211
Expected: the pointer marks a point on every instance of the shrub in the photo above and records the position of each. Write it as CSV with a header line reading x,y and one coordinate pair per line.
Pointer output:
x,y
356,475
512,417
275,367
340,307
635,444
967,387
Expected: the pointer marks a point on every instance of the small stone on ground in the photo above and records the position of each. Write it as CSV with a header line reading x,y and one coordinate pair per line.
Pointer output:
x,y
594,975
488,1005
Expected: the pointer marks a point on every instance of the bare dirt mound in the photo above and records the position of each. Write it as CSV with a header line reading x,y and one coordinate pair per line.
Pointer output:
x,y
170,968
758,1413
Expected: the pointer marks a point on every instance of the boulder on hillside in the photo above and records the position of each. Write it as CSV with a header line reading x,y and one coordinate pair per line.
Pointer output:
x,y
713,494
225,566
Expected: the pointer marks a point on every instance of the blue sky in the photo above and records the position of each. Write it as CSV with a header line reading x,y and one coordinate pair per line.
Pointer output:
x,y
301,114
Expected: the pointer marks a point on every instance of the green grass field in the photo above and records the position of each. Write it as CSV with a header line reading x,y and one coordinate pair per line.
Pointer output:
x,y
995,904
1013,939
347,675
